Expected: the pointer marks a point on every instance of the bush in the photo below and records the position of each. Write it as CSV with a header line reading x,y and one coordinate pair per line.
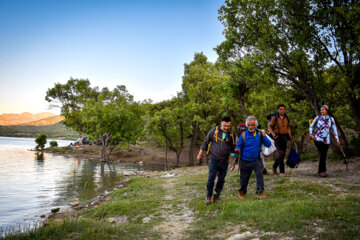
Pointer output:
x,y
53,144
355,145
40,141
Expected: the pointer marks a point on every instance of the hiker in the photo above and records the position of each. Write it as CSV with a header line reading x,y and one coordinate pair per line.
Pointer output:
x,y
280,129
321,136
218,143
250,157
241,128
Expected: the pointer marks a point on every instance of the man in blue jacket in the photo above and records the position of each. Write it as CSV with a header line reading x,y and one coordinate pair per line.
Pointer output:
x,y
250,157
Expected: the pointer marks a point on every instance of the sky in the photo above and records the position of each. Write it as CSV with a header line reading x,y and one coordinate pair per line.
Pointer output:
x,y
140,44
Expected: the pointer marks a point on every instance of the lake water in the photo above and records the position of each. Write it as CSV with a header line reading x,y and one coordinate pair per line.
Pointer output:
x,y
32,184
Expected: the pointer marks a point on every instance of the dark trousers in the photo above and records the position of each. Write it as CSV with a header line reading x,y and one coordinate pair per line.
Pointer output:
x,y
280,144
246,168
216,168
323,149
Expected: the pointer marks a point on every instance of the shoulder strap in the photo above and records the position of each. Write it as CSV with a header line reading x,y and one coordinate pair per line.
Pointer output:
x,y
215,133
243,136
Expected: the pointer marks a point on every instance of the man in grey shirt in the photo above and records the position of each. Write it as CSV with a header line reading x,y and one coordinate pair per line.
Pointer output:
x,y
219,144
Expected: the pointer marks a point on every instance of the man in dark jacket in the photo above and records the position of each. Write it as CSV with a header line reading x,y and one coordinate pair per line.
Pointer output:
x,y
219,144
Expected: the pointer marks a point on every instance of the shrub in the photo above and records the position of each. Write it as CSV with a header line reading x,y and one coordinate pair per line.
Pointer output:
x,y
40,141
53,144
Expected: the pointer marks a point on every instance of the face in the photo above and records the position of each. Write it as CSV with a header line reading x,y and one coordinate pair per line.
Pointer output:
x,y
281,110
251,125
323,111
225,126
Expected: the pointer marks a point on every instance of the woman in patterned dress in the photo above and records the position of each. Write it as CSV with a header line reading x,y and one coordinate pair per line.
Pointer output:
x,y
321,136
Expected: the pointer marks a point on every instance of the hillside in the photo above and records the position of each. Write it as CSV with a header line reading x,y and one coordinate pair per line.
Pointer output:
x,y
11,119
56,131
46,121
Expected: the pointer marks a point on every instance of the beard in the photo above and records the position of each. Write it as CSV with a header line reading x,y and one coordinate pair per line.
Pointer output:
x,y
251,130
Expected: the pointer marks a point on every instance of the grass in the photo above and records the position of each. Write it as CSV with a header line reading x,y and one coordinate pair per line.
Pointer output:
x,y
300,209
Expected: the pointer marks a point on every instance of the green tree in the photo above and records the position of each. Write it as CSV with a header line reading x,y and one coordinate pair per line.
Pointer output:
x,y
114,117
71,98
169,126
40,141
201,86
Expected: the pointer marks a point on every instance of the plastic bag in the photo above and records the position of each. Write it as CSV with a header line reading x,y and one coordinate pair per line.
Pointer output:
x,y
268,150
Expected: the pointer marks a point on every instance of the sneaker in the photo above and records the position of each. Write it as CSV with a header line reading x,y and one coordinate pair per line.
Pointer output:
x,y
241,195
216,198
282,174
261,195
207,200
274,171
323,174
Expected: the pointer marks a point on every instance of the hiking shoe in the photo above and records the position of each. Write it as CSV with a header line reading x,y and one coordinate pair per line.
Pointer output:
x,y
207,200
261,195
274,171
241,195
216,198
282,175
323,174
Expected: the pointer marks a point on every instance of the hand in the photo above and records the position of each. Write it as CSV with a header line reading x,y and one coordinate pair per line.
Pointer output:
x,y
313,137
199,157
291,141
263,133
338,143
237,150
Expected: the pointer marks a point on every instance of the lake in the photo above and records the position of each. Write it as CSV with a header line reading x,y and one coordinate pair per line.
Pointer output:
x,y
31,184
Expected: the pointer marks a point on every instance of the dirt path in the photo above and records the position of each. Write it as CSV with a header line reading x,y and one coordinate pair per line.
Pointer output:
x,y
175,212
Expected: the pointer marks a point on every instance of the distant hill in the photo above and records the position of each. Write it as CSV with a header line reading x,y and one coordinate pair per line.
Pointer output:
x,y
55,131
26,118
46,121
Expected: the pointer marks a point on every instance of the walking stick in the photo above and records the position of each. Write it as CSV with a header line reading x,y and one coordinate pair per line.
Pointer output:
x,y
345,161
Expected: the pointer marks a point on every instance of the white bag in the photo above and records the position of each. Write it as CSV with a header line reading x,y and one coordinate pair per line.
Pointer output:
x,y
268,150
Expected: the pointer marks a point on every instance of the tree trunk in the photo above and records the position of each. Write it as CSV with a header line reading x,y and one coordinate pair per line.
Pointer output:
x,y
355,107
192,145
166,160
177,158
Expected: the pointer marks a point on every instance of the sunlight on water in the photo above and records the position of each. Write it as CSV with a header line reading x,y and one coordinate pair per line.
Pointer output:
x,y
31,183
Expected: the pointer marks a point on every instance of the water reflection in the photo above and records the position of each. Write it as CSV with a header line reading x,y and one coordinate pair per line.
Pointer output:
x,y
31,184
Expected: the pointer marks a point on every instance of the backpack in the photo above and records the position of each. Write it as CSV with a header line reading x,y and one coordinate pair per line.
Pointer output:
x,y
268,117
217,138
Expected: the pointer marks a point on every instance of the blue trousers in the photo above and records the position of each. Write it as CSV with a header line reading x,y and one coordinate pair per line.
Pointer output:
x,y
216,168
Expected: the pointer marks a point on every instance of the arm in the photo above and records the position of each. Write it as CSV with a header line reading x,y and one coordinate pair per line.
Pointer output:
x,y
205,144
333,127
239,145
289,132
270,128
311,128
266,141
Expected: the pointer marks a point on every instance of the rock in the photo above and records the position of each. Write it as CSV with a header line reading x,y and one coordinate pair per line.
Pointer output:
x,y
74,204
54,210
43,216
146,219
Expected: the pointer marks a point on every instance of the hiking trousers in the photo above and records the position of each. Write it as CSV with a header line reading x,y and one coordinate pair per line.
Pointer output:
x,y
323,149
216,168
246,168
280,144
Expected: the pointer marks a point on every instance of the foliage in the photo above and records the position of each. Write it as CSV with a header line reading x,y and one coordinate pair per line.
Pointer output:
x,y
53,143
169,125
113,117
40,141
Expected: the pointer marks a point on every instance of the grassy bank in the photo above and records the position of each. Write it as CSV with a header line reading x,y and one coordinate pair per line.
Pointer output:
x,y
299,206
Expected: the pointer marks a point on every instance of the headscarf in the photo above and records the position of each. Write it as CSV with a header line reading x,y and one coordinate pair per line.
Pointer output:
x,y
326,107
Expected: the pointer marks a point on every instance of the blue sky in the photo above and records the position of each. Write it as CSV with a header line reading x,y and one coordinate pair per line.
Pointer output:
x,y
140,44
